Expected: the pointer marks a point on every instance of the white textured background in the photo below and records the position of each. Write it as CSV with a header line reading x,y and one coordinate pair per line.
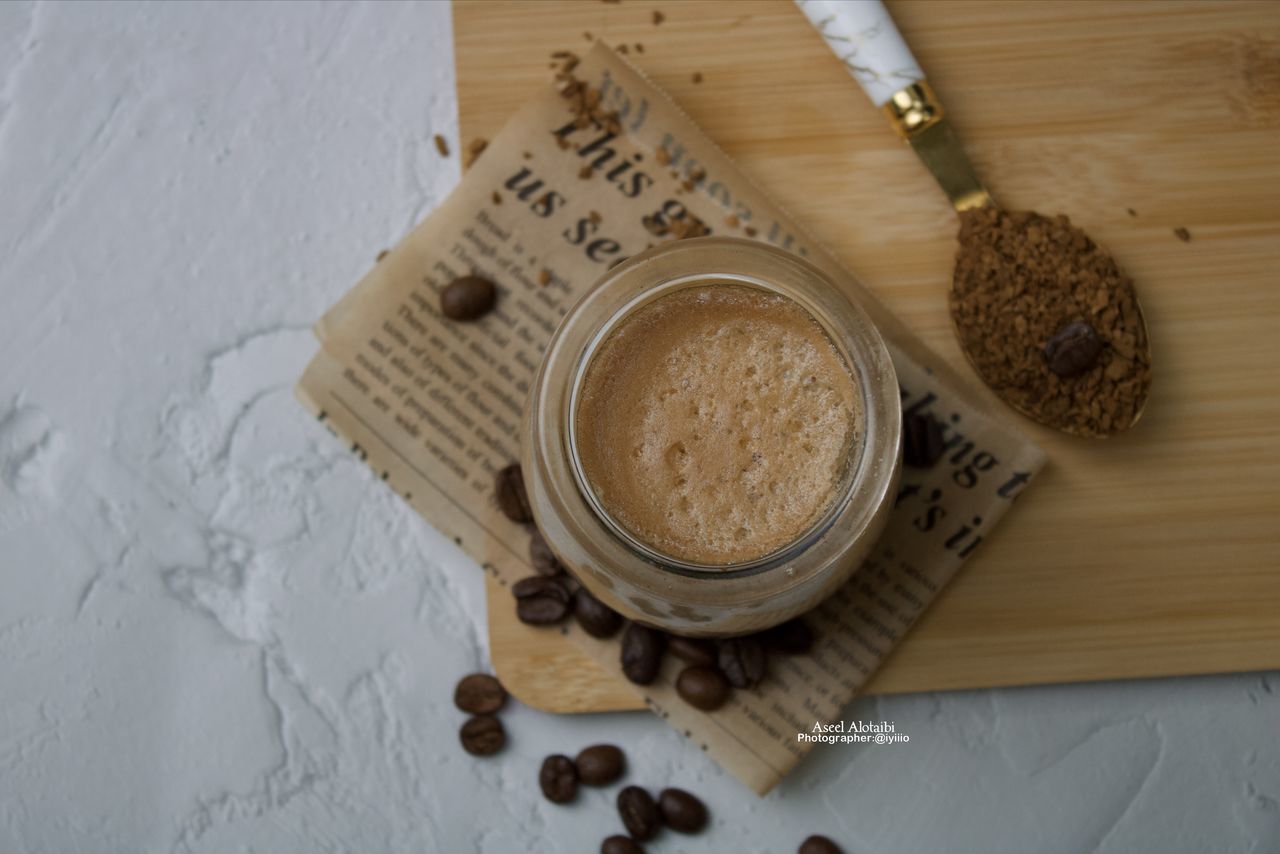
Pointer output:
x,y
218,633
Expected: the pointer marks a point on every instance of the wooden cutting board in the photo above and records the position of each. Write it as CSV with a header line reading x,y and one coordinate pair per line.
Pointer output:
x,y
1153,554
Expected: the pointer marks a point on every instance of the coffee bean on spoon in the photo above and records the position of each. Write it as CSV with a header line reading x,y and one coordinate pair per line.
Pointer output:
x,y
483,735
817,844
639,813
543,559
619,844
642,649
794,637
468,298
558,779
479,694
596,618
513,501
1073,350
692,650
704,688
540,601
681,811
600,765
742,661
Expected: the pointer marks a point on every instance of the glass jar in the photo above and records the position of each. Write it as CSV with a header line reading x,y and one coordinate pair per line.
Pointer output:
x,y
635,580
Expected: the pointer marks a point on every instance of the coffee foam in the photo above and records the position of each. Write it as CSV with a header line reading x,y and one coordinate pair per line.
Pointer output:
x,y
716,422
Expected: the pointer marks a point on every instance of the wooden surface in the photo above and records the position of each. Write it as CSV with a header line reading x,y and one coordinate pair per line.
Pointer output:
x,y
1156,553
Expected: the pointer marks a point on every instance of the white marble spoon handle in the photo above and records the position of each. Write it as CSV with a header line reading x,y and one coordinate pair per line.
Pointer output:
x,y
863,37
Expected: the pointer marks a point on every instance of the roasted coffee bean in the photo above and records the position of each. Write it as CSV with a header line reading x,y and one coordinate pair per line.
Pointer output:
x,y
558,779
512,499
682,811
600,765
619,844
639,813
921,440
596,618
483,735
642,653
1073,350
692,650
479,694
742,661
543,559
539,585
819,845
794,637
704,688
540,600
468,298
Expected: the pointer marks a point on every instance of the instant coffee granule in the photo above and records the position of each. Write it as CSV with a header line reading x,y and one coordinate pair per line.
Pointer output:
x,y
1049,321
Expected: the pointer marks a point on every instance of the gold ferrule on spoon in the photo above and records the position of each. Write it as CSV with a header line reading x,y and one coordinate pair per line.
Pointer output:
x,y
913,108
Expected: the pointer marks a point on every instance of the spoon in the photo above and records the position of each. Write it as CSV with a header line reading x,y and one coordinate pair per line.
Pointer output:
x,y
863,37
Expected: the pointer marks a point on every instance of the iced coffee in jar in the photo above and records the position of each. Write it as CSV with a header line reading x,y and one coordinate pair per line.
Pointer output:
x,y
713,440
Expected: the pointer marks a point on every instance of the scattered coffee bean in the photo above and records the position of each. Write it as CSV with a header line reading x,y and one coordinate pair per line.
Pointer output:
x,y
742,661
1073,350
468,298
1182,234
558,779
921,440
600,765
642,649
483,735
703,688
692,650
479,694
543,559
540,600
794,637
512,498
682,811
442,146
619,844
819,845
639,813
596,618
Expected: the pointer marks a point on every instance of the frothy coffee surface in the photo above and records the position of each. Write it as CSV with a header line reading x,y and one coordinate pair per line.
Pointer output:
x,y
715,423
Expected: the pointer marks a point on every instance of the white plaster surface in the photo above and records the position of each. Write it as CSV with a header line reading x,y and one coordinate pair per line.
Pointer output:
x,y
219,633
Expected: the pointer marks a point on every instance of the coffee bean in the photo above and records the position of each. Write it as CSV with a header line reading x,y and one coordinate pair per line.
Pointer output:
x,y
543,559
703,688
794,637
682,811
742,661
600,765
921,440
692,650
596,618
468,298
558,779
479,694
639,813
1073,350
642,653
619,844
512,498
483,735
818,845
540,600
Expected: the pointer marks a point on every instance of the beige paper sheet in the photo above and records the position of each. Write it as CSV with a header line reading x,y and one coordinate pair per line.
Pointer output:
x,y
434,407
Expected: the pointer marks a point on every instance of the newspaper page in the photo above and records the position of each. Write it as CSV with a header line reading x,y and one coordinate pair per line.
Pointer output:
x,y
434,407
